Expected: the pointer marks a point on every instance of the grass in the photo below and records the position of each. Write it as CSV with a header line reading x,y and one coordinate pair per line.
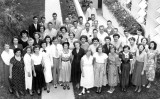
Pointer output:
x,y
27,8
152,93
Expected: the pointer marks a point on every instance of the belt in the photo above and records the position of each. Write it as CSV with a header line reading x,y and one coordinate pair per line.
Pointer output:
x,y
65,60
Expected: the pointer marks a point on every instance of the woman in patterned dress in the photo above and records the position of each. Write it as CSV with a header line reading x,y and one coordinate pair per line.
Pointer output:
x,y
139,76
151,63
113,63
17,72
65,65
100,61
126,69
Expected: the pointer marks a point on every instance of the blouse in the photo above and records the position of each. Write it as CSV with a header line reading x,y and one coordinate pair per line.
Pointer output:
x,y
6,56
37,59
100,58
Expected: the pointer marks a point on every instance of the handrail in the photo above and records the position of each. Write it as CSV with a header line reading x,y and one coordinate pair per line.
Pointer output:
x,y
79,10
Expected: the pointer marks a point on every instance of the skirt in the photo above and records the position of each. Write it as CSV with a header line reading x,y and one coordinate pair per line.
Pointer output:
x,y
38,81
137,78
88,80
100,79
125,75
65,72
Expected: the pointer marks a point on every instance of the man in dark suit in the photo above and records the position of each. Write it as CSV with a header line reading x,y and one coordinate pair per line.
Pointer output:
x,y
34,27
107,45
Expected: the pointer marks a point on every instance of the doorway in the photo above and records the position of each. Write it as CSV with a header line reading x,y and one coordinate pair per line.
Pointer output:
x,y
99,3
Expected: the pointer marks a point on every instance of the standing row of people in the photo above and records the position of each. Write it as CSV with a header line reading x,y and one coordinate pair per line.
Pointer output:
x,y
88,55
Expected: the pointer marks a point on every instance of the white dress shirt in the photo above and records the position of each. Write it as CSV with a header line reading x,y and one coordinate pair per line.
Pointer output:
x,y
6,56
89,34
56,50
37,59
101,37
52,33
91,11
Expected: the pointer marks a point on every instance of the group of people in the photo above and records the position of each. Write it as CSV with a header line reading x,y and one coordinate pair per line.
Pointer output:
x,y
86,54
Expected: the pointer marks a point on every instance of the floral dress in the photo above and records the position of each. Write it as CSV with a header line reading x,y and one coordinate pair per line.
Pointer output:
x,y
113,63
151,65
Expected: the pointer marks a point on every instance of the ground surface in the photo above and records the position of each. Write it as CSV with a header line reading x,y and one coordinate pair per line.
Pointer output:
x,y
152,93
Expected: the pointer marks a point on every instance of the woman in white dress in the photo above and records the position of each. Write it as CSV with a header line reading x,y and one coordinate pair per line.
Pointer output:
x,y
87,76
28,69
48,63
65,66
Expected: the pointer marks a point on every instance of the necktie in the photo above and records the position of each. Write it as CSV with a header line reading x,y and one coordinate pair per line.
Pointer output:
x,y
137,40
35,25
44,51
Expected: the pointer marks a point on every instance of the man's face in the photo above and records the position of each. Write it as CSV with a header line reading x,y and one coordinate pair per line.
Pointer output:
x,y
54,17
87,26
126,34
35,20
75,24
67,20
93,17
109,23
50,26
101,29
81,20
116,38
115,31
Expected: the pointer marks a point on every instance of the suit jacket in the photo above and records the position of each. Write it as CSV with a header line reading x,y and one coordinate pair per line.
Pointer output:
x,y
56,24
19,46
107,49
32,29
37,43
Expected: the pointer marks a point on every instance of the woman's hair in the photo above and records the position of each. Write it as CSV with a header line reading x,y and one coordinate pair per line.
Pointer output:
x,y
132,38
67,43
100,46
72,33
30,39
126,46
77,42
28,47
37,33
54,38
15,37
49,38
36,46
63,27
155,45
107,37
95,39
114,35
84,36
145,39
141,45
16,50
24,32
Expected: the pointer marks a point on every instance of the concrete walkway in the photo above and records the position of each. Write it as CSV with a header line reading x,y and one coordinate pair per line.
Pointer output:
x,y
59,93
52,6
